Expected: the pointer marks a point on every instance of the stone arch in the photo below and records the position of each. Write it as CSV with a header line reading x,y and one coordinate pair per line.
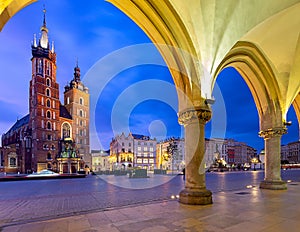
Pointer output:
x,y
162,24
256,70
66,130
296,105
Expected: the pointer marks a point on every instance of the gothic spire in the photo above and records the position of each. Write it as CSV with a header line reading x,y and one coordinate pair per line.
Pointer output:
x,y
77,72
44,38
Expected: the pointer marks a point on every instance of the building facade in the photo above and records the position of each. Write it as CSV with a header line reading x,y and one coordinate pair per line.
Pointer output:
x,y
133,150
291,152
52,136
170,154
231,152
100,160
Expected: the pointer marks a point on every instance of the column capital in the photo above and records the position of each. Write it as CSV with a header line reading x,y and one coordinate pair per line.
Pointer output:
x,y
195,114
272,132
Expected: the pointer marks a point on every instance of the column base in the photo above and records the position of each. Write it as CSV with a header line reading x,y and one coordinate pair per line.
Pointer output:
x,y
195,197
273,185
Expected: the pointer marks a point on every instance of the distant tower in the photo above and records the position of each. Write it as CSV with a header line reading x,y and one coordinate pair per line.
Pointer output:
x,y
43,102
77,102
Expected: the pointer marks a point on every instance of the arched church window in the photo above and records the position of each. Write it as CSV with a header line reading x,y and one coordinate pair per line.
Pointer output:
x,y
66,130
49,157
80,113
48,114
48,103
49,125
40,66
12,162
81,101
48,92
48,69
48,82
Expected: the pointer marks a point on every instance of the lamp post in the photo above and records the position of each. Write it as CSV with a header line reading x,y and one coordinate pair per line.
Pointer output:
x,y
254,161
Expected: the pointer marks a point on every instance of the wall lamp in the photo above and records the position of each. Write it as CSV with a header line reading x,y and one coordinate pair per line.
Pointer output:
x,y
287,123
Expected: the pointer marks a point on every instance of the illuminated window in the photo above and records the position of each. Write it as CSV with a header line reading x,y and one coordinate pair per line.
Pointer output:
x,y
145,161
12,162
66,130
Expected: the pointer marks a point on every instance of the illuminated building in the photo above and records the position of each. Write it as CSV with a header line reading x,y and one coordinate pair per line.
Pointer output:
x,y
53,135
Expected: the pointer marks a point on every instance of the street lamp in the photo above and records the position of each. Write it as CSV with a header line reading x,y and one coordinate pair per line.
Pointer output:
x,y
254,161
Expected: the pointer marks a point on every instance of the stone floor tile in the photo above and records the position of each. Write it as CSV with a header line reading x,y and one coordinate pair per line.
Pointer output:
x,y
11,229
97,219
78,225
115,215
157,228
284,226
104,228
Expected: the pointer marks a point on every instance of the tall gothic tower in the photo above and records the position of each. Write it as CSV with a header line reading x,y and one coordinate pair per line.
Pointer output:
x,y
43,101
76,101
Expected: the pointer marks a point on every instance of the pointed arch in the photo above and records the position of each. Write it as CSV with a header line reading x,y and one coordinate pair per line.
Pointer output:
x,y
296,105
257,71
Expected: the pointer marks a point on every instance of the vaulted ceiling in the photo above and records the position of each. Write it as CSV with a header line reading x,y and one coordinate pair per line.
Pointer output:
x,y
208,31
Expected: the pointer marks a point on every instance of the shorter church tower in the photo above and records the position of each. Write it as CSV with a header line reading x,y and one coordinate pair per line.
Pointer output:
x,y
77,102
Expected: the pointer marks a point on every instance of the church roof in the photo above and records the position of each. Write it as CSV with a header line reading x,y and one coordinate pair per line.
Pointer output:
x,y
142,137
64,113
19,123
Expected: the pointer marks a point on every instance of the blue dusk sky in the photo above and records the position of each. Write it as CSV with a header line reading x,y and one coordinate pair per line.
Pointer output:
x,y
131,88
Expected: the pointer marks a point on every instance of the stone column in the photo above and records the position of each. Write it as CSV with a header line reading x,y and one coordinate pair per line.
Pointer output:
x,y
195,192
272,139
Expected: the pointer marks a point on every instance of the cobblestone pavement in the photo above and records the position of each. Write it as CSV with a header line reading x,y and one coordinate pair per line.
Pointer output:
x,y
249,210
31,201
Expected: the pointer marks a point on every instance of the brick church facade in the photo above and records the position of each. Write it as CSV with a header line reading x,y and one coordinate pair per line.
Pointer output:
x,y
53,135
